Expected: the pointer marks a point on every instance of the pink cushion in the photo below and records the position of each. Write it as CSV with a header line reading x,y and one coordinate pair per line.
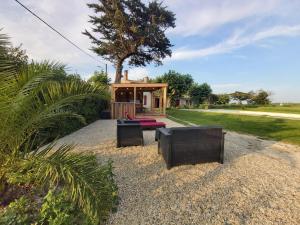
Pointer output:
x,y
152,124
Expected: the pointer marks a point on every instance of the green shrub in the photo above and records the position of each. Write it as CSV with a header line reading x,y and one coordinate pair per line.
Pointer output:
x,y
22,211
56,209
36,102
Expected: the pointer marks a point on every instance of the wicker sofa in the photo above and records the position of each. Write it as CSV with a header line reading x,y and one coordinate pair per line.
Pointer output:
x,y
129,134
190,145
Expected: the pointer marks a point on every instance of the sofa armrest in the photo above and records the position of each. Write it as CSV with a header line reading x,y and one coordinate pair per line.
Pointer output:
x,y
222,148
158,131
129,134
164,131
165,146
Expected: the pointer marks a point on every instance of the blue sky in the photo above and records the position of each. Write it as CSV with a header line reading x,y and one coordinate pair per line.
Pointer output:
x,y
230,44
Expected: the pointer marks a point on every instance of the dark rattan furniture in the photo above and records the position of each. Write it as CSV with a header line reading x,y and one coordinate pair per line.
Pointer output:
x,y
129,134
190,145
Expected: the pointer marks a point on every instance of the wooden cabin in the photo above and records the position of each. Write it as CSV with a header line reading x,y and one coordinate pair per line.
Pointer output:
x,y
138,98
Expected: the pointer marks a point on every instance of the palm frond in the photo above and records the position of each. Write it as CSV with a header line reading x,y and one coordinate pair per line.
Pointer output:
x,y
7,73
80,174
35,74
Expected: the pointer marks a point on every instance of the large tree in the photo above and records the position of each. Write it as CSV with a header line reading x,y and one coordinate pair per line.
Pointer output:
x,y
261,97
130,29
223,99
199,93
178,84
100,78
241,96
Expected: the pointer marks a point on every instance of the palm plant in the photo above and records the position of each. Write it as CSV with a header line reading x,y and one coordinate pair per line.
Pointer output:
x,y
32,100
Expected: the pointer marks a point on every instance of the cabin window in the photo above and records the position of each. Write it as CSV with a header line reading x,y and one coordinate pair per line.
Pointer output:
x,y
145,99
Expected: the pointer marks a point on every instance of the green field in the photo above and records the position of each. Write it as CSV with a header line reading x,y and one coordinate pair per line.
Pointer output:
x,y
282,109
265,127
289,108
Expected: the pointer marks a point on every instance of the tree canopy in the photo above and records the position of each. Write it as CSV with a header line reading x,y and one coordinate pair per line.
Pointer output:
x,y
223,99
100,78
261,97
240,96
199,93
179,84
130,29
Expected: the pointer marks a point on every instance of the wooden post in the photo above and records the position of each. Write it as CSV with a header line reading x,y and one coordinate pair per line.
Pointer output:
x,y
161,100
113,96
151,102
134,101
164,100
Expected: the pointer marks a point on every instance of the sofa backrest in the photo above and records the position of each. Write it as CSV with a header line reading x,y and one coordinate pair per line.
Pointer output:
x,y
196,144
195,134
202,138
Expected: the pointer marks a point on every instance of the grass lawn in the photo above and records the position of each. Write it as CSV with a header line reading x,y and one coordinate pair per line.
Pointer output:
x,y
279,109
269,128
290,108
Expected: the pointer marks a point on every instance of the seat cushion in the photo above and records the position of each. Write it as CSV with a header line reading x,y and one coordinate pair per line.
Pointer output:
x,y
152,124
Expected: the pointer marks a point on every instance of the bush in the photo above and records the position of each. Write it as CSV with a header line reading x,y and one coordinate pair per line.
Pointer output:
x,y
37,103
56,209
59,206
19,212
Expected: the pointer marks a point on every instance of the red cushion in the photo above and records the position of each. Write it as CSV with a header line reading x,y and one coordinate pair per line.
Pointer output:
x,y
152,124
128,116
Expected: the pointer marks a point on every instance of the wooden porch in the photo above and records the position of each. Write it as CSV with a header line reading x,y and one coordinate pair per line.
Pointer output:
x,y
138,98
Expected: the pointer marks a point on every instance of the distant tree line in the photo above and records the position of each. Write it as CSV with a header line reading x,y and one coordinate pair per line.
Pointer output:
x,y
260,97
183,85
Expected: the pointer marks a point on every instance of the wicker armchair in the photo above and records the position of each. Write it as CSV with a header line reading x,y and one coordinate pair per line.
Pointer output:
x,y
129,134
190,145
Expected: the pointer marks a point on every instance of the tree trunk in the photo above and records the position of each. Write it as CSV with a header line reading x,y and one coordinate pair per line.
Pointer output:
x,y
119,67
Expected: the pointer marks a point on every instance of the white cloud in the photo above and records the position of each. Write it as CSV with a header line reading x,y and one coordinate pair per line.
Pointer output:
x,y
41,42
203,16
237,40
137,73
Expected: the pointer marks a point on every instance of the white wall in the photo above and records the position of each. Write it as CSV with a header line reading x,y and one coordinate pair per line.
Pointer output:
x,y
148,105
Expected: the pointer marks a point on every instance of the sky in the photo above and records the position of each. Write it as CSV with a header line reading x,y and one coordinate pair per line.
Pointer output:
x,y
230,44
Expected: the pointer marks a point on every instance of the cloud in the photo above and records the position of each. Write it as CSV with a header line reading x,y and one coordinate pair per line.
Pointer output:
x,y
204,16
237,40
137,73
41,42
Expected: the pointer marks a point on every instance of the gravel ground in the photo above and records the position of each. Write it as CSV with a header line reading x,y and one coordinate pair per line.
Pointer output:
x,y
259,183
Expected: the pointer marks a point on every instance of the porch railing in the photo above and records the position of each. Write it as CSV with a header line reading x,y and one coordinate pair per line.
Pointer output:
x,y
119,109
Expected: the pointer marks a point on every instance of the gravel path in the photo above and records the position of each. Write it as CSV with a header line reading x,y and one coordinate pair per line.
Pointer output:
x,y
291,116
259,183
